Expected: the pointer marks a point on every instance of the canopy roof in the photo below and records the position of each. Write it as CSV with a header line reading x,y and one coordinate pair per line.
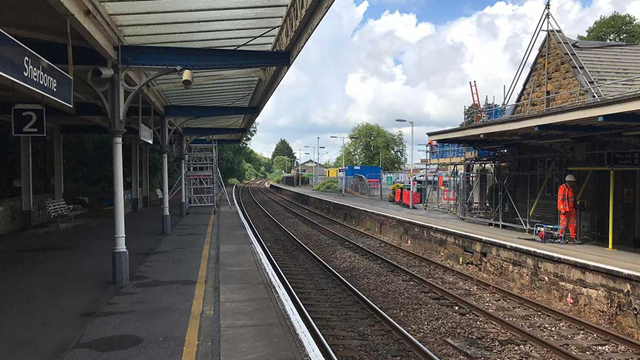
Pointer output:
x,y
243,78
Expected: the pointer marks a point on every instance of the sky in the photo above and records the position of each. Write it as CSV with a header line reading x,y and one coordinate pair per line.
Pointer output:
x,y
379,60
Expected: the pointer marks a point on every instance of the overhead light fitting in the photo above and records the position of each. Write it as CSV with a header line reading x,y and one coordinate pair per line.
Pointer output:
x,y
187,78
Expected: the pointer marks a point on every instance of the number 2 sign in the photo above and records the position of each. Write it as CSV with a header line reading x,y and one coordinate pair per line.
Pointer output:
x,y
29,120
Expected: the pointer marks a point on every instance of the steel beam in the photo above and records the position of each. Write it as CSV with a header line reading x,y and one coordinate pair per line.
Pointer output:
x,y
207,111
199,59
202,131
218,141
620,118
569,128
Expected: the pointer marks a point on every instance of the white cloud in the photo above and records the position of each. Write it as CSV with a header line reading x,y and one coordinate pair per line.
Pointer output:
x,y
394,66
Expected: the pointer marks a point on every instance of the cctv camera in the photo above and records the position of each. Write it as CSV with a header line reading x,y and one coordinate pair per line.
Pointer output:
x,y
187,78
102,72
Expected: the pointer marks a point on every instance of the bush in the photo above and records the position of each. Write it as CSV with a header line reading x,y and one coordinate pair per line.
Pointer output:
x,y
330,188
233,181
330,185
275,178
394,187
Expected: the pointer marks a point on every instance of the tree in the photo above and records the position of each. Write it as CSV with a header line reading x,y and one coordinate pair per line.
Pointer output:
x,y
370,142
283,149
233,160
280,163
615,27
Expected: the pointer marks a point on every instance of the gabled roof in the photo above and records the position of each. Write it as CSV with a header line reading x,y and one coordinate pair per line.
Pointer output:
x,y
311,163
615,67
609,68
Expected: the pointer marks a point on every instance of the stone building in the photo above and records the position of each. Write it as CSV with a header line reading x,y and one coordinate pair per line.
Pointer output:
x,y
578,72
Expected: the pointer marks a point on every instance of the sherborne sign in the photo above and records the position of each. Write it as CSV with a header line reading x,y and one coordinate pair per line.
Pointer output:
x,y
22,65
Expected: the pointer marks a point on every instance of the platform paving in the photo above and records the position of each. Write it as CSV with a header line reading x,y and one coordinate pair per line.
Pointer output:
x,y
627,262
252,325
58,301
52,282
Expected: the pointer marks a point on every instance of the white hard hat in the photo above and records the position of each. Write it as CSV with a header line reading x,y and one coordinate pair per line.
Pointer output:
x,y
570,177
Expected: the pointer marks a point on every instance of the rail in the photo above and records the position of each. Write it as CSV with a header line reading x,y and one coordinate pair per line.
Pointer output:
x,y
601,331
419,349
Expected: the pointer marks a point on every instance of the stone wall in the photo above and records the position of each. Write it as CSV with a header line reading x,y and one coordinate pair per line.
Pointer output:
x,y
599,295
561,79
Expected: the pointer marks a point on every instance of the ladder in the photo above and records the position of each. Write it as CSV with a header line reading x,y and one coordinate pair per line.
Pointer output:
x,y
200,161
477,108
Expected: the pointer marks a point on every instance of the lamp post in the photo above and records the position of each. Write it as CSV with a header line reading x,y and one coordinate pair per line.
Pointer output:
x,y
411,169
300,153
344,177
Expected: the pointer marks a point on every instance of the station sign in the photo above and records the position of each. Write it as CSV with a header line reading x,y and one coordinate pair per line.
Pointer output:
x,y
626,158
146,134
20,64
28,120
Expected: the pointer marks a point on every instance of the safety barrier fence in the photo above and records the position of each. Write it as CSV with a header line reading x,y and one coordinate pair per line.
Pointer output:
x,y
512,199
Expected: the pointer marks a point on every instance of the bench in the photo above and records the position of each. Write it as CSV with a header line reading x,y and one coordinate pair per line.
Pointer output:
x,y
59,210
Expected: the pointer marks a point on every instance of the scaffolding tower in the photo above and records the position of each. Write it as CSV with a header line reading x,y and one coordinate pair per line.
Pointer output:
x,y
201,174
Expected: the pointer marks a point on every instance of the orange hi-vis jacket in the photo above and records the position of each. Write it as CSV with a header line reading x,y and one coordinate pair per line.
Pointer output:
x,y
566,200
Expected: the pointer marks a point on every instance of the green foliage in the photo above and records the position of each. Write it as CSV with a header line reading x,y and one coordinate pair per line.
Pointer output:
x,y
370,140
280,164
329,185
283,149
233,181
615,27
395,187
275,178
241,163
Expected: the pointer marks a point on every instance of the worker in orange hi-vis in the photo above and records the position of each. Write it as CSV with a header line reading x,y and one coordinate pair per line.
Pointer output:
x,y
567,206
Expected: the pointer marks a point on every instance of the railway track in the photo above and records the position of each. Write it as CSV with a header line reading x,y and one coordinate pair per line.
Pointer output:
x,y
564,335
450,330
350,326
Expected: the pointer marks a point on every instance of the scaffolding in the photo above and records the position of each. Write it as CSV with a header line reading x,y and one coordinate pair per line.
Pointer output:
x,y
201,174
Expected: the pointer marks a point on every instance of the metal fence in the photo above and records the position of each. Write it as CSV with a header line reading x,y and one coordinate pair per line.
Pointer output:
x,y
506,199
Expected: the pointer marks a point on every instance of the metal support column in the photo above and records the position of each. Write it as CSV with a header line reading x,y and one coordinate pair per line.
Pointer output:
x,y
135,174
183,192
58,166
611,183
26,181
120,255
145,175
166,216
637,205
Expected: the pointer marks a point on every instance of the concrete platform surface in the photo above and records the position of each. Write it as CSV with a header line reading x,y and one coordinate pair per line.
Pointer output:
x,y
624,262
183,302
251,321
53,282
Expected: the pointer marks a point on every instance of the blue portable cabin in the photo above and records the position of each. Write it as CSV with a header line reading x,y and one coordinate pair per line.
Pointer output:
x,y
370,172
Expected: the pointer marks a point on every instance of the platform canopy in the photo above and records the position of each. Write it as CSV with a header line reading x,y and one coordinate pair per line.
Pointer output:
x,y
237,50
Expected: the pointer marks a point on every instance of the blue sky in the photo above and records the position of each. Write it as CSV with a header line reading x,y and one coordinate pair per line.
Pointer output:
x,y
434,11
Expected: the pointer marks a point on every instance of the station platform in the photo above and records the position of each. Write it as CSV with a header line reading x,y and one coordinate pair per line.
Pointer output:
x,y
199,293
623,263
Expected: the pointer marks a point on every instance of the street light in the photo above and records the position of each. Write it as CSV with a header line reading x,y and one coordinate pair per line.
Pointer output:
x,y
411,170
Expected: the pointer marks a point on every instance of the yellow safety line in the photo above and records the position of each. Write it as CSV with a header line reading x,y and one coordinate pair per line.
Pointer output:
x,y
191,339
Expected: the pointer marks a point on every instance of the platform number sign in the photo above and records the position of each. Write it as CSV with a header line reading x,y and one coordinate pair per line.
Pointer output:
x,y
29,120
